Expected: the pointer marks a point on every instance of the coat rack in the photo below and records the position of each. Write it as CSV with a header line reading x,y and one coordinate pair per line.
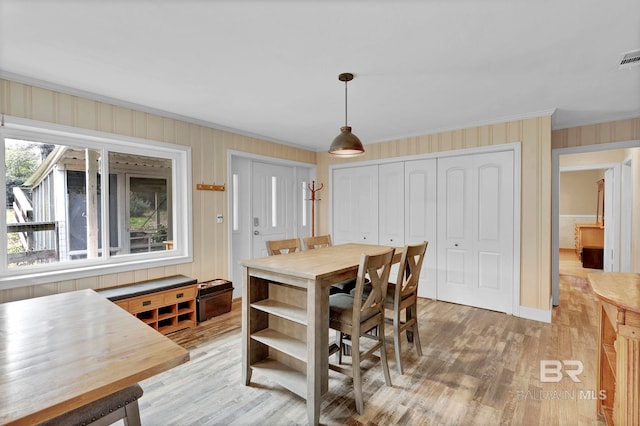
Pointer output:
x,y
313,200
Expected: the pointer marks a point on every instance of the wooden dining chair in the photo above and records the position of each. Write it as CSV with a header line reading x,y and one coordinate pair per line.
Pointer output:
x,y
275,247
319,241
403,296
357,317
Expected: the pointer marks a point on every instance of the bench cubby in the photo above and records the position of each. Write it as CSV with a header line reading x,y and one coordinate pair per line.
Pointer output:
x,y
166,304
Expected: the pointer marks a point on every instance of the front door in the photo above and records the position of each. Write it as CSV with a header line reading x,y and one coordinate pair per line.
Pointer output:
x,y
475,230
273,205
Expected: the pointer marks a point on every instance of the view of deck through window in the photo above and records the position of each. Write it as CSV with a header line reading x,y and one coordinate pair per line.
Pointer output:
x,y
56,210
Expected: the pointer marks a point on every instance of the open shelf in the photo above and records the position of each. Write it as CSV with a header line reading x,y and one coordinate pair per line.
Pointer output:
x,y
291,379
165,311
283,310
283,343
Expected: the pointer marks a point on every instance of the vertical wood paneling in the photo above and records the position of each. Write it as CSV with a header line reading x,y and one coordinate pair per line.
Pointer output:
x,y
43,105
17,99
123,121
608,132
86,113
105,117
65,109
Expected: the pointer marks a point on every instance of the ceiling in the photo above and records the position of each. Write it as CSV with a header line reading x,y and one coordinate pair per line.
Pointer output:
x,y
270,68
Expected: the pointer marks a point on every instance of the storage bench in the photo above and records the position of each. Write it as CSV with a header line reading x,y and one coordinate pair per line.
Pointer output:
x,y
166,304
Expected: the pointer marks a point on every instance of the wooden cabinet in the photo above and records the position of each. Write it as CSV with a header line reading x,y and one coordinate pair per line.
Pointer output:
x,y
166,304
618,346
166,311
590,235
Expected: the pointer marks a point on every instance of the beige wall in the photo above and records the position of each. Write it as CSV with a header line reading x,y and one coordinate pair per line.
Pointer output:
x,y
579,192
535,136
209,157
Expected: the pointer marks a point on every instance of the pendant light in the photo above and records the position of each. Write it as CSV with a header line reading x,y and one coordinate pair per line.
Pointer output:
x,y
346,144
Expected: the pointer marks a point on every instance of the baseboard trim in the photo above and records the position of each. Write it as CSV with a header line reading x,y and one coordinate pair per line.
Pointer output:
x,y
542,315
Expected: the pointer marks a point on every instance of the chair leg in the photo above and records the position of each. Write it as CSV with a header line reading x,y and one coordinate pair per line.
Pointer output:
x,y
132,414
396,340
340,348
357,374
408,316
416,334
383,355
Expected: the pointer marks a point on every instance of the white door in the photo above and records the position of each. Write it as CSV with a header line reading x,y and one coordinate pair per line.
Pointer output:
x,y
610,225
420,217
626,199
273,205
355,205
475,230
391,204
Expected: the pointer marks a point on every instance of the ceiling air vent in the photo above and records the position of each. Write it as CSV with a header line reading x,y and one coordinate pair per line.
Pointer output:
x,y
630,59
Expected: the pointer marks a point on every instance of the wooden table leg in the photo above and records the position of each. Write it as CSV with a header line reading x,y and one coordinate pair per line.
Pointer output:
x,y
318,349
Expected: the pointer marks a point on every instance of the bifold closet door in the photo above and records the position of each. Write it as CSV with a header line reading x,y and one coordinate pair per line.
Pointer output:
x,y
475,230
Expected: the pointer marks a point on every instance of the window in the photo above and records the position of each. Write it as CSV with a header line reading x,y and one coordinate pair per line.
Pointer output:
x,y
82,204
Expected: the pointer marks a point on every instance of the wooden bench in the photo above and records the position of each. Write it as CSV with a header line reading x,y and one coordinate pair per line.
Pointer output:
x,y
122,404
166,304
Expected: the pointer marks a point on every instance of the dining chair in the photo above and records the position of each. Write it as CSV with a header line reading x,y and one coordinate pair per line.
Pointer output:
x,y
403,296
275,247
357,317
320,241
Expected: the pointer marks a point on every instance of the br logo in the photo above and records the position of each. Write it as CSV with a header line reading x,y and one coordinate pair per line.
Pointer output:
x,y
551,370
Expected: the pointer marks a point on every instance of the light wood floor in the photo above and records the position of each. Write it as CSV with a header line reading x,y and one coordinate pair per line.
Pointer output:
x,y
479,367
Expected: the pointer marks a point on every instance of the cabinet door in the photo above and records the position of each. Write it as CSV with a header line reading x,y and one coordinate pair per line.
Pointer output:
x,y
420,217
391,204
355,205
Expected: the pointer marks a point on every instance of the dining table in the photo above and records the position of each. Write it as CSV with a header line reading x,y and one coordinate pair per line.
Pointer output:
x,y
285,316
63,351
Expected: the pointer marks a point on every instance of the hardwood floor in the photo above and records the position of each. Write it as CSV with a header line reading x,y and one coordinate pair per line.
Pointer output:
x,y
479,367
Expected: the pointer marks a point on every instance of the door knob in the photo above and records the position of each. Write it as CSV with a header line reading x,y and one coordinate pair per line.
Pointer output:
x,y
455,245
256,232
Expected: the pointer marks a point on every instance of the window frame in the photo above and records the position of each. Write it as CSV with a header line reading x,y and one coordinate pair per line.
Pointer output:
x,y
181,171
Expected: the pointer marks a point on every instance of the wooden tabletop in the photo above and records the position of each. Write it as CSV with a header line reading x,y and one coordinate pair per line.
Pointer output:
x,y
318,263
621,289
63,351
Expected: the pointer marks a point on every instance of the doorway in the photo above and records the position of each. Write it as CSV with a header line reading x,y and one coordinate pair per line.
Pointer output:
x,y
268,199
603,156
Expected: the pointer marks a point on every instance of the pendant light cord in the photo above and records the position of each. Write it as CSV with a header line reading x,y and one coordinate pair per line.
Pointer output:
x,y
345,104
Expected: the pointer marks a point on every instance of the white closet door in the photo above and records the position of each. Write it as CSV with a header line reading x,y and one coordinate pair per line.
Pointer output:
x,y
391,204
475,230
420,217
355,205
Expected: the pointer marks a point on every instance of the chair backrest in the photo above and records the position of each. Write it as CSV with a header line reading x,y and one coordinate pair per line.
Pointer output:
x,y
275,247
409,271
319,241
377,269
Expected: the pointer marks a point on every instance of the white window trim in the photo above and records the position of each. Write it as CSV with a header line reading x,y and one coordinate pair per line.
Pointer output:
x,y
20,128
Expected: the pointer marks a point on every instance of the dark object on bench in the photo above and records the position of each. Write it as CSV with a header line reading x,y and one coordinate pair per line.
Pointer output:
x,y
146,287
214,298
592,257
108,410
